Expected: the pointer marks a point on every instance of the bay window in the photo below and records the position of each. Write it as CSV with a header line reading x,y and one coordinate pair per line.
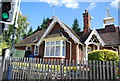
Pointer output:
x,y
55,48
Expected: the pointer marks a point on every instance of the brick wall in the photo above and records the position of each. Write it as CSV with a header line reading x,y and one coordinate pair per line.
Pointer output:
x,y
21,47
86,22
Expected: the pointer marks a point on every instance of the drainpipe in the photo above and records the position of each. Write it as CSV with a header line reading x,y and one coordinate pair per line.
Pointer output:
x,y
118,50
77,52
70,49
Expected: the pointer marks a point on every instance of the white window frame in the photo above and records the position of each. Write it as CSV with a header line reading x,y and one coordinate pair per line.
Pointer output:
x,y
27,48
35,50
55,48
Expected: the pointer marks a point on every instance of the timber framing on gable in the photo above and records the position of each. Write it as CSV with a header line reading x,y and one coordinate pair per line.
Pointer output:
x,y
97,37
55,20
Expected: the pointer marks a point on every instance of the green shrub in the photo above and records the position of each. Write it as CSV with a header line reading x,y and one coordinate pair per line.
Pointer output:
x,y
103,55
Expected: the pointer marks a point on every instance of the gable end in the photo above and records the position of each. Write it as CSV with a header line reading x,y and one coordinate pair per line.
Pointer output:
x,y
55,20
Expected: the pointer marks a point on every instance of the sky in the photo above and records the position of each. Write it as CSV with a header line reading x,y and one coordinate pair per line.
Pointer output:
x,y
68,10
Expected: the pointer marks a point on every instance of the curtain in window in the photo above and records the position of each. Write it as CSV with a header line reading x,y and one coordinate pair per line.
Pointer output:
x,y
53,48
57,51
47,51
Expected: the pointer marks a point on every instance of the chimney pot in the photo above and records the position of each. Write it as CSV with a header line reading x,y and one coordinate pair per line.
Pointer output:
x,y
53,17
86,11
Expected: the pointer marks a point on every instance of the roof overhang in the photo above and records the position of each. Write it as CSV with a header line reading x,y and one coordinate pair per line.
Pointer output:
x,y
24,45
55,20
54,38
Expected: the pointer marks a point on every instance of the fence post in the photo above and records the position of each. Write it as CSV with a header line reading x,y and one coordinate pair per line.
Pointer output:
x,y
60,69
29,69
2,68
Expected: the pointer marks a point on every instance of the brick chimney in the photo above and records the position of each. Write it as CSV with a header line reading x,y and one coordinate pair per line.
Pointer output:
x,y
86,19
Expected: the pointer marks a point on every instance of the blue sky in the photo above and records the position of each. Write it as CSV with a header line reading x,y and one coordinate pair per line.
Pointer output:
x,y
36,11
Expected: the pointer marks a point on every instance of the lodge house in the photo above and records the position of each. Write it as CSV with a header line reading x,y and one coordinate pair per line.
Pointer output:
x,y
60,42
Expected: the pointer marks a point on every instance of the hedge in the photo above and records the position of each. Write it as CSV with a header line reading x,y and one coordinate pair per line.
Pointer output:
x,y
103,55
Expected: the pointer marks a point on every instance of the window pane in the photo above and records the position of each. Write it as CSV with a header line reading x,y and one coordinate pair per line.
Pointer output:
x,y
52,51
53,43
36,50
57,42
63,50
28,48
63,42
57,51
47,43
47,51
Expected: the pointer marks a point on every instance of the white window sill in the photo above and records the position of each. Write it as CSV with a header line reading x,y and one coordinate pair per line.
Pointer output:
x,y
55,56
35,54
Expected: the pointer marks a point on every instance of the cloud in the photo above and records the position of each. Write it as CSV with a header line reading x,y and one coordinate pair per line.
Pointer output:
x,y
70,3
69,0
91,6
115,4
66,3
51,2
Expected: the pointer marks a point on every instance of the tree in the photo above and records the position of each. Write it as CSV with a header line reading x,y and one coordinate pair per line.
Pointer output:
x,y
38,29
20,31
24,36
45,24
30,32
103,55
76,26
3,44
22,27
